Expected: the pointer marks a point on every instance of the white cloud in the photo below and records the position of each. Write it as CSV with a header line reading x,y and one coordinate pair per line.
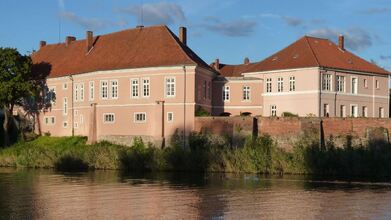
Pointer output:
x,y
89,23
355,38
236,28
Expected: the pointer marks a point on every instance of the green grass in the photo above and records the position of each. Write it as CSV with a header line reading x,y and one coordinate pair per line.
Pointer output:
x,y
205,153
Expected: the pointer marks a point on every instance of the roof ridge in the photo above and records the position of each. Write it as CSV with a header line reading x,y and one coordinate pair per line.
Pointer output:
x,y
178,43
312,51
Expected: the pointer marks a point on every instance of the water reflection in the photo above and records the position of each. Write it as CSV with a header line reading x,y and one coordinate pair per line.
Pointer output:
x,y
45,194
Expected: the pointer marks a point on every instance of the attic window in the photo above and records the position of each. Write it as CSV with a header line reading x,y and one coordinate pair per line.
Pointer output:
x,y
296,56
275,58
316,41
350,61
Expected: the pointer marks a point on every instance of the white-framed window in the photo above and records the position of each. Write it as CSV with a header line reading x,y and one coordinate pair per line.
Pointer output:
x,y
340,84
377,84
76,124
114,89
64,124
64,86
226,93
343,111
326,82
280,84
292,83
81,91
92,88
246,93
65,106
354,111
170,116
364,111
104,89
77,92
140,117
108,118
81,119
134,88
381,112
170,86
354,85
146,87
269,85
326,110
76,112
273,110
365,83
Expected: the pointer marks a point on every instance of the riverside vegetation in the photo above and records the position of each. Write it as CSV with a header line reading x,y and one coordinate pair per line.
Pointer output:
x,y
205,153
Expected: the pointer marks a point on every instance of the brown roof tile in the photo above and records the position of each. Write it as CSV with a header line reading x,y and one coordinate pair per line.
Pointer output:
x,y
228,70
133,48
315,52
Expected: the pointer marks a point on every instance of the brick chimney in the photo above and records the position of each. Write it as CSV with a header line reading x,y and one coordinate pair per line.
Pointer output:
x,y
183,35
42,43
69,39
341,42
89,40
217,64
246,60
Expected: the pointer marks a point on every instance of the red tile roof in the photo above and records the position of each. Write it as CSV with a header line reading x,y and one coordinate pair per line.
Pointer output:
x,y
315,52
228,70
154,46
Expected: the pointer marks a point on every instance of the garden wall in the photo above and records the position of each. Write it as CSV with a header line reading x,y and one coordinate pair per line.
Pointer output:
x,y
286,131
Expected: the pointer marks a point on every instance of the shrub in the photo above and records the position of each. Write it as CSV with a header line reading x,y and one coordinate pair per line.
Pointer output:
x,y
201,112
289,114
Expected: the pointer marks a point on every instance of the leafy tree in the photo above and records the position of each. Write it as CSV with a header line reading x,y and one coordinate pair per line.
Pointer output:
x,y
15,84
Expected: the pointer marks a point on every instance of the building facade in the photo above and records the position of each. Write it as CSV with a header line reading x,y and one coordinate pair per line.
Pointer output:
x,y
147,82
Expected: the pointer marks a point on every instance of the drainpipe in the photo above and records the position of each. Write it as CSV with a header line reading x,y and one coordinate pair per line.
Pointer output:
x,y
320,109
163,138
72,108
184,107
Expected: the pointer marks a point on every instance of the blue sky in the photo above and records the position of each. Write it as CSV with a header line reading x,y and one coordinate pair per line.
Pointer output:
x,y
229,29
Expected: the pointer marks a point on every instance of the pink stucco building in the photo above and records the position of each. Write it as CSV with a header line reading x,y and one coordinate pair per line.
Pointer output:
x,y
147,82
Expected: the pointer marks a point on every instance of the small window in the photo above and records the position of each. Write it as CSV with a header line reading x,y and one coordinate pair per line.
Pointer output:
x,y
53,120
326,110
76,125
46,120
340,84
65,106
292,84
343,111
104,94
268,85
146,87
65,124
170,116
381,112
170,86
114,89
246,93
354,111
273,110
92,88
364,111
226,93
134,88
65,86
280,84
365,83
50,120
326,82
81,86
108,118
354,85
377,84
140,117
76,96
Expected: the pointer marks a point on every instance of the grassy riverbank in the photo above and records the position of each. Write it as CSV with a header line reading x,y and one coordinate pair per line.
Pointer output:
x,y
205,153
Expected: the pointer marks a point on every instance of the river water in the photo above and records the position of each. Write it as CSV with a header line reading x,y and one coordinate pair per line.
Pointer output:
x,y
46,194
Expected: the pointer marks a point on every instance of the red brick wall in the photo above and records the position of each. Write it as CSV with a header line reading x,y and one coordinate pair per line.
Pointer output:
x,y
287,130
